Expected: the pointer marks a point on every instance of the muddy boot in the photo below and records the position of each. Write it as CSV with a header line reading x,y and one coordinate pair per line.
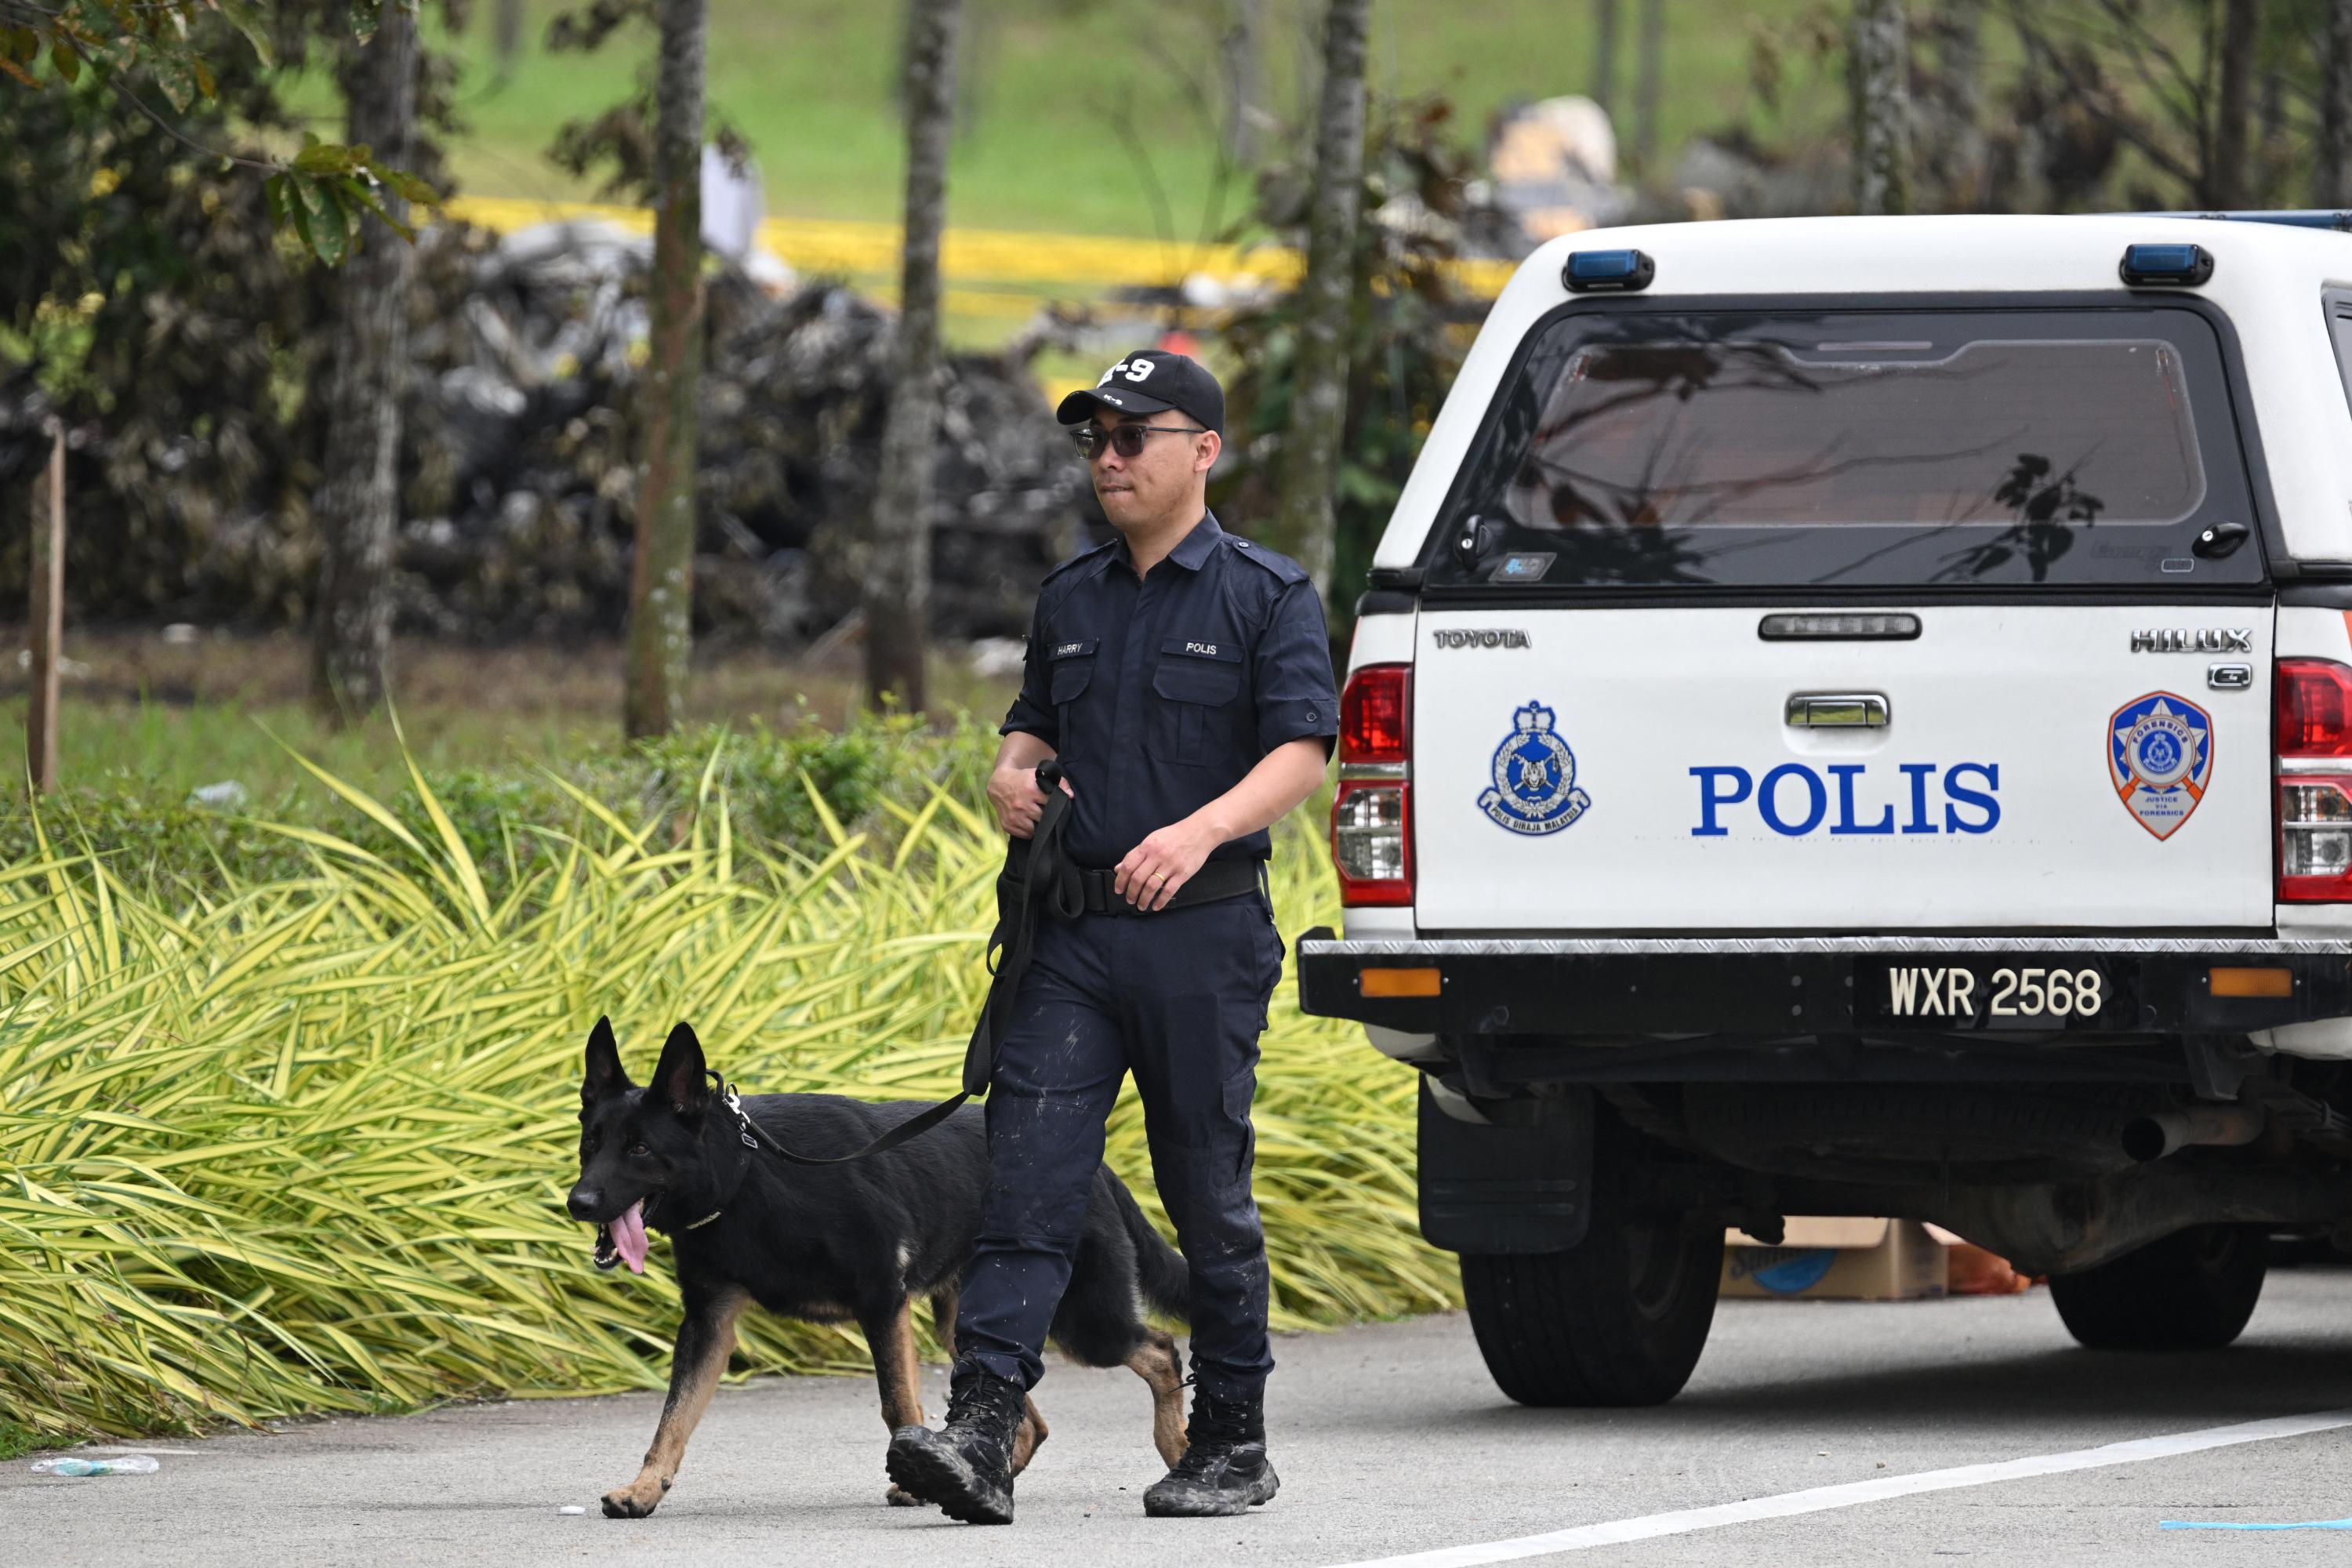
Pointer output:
x,y
1224,1469
966,1468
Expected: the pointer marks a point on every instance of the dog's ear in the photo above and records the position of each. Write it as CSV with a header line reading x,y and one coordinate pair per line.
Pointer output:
x,y
603,1074
679,1080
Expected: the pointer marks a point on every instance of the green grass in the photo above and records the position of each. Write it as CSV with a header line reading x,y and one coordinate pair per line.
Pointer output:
x,y
17,1441
157,721
1052,83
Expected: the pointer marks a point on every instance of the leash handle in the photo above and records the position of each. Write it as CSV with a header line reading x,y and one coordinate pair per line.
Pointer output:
x,y
1043,876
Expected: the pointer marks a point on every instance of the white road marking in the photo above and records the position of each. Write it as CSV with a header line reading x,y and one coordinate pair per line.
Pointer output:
x,y
1817,1500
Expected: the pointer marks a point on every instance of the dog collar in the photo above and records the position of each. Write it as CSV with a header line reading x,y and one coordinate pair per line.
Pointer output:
x,y
742,1132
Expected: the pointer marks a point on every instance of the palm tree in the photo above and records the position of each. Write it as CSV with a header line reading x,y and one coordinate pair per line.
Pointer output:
x,y
1310,452
897,595
1879,67
2332,176
358,490
661,581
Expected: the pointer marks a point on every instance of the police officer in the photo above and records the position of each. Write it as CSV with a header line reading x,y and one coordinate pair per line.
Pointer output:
x,y
1182,678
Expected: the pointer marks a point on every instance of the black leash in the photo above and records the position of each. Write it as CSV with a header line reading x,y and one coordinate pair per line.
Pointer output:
x,y
1035,875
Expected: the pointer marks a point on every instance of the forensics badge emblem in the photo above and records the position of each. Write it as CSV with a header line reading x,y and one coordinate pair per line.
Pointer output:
x,y
2160,759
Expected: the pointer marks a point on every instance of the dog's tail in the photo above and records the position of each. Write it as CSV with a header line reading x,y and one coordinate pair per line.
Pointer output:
x,y
1160,1269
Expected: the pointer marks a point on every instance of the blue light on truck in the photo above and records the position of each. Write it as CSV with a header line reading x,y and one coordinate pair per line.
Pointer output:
x,y
1607,271
2184,265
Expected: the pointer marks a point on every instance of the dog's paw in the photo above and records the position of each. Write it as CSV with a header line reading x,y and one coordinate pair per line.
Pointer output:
x,y
900,1497
636,1501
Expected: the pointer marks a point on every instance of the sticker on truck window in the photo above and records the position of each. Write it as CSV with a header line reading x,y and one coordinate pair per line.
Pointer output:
x,y
1535,777
2159,758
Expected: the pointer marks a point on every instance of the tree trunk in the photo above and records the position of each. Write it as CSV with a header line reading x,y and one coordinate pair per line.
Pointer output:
x,y
661,579
358,495
1649,67
897,596
1961,51
1240,62
1604,55
1879,71
1310,452
2225,170
45,626
508,40
2331,184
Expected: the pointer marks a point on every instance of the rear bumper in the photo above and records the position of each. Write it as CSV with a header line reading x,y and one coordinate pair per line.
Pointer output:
x,y
1632,987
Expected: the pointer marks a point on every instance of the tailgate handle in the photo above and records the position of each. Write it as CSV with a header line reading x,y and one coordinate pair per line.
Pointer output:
x,y
1840,711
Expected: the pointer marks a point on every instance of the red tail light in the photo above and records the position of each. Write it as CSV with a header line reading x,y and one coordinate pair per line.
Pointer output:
x,y
2314,708
1371,815
2314,726
1373,720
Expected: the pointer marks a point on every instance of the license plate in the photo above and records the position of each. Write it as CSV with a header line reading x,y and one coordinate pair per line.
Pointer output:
x,y
1992,992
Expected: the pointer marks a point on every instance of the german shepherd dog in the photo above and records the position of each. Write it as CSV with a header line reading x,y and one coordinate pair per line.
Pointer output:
x,y
851,1242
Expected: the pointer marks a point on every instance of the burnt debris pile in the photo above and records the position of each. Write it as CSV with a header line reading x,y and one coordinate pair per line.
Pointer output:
x,y
521,420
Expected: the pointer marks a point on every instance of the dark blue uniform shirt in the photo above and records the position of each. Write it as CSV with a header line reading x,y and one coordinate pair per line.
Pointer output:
x,y
1161,693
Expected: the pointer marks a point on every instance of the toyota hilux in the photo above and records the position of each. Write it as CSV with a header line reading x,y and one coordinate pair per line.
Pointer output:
x,y
1854,717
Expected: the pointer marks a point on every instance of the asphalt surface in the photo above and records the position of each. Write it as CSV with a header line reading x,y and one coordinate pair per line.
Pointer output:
x,y
1390,1440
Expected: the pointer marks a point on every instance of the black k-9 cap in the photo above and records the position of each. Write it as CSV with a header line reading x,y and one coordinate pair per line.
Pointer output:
x,y
1150,381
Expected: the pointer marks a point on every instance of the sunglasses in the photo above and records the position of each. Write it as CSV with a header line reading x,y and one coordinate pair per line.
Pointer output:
x,y
1127,440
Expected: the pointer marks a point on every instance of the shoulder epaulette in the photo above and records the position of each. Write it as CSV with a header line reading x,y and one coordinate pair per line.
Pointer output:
x,y
1283,568
1080,559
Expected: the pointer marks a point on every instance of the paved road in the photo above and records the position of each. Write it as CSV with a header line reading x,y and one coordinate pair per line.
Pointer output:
x,y
1391,1440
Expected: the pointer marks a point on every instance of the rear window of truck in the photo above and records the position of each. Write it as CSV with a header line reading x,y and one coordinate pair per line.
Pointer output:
x,y
1953,447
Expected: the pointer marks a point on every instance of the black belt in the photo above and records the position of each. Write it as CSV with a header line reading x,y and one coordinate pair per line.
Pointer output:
x,y
1096,892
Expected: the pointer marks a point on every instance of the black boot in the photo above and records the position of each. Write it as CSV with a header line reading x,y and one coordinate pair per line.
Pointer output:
x,y
966,1468
1224,1469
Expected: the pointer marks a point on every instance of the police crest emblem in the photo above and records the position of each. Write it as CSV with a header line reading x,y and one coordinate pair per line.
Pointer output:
x,y
1535,777
2159,758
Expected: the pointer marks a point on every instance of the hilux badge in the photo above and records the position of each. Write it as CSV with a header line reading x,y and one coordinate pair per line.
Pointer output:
x,y
1535,777
2159,758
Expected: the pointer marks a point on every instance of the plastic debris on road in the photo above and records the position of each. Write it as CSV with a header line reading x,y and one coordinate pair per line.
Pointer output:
x,y
129,1464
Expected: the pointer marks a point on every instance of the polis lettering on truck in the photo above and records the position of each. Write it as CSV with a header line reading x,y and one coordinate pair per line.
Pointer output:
x,y
1769,799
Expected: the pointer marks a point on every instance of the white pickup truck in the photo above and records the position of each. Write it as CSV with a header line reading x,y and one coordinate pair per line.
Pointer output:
x,y
1854,717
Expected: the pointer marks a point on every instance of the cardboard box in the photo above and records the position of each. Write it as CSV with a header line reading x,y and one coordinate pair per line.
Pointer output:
x,y
1838,1260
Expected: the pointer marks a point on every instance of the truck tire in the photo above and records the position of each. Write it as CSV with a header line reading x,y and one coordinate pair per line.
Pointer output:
x,y
2193,1290
1619,1319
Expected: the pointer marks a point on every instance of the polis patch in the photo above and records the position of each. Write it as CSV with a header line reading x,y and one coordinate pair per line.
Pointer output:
x,y
2160,758
1534,777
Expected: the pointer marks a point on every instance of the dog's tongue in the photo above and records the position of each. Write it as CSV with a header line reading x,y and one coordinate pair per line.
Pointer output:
x,y
629,1237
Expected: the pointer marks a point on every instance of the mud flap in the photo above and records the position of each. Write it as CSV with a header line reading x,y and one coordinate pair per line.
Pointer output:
x,y
1518,1188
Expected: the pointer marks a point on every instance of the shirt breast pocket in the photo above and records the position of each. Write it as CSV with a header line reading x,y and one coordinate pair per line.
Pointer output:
x,y
1070,667
1195,716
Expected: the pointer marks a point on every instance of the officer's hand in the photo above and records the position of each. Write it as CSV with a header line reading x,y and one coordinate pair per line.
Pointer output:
x,y
1162,863
1018,800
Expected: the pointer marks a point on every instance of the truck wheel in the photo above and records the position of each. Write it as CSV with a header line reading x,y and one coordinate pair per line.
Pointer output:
x,y
1617,1320
2193,1290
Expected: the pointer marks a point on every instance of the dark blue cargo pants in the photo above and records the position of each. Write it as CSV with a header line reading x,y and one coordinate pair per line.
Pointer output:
x,y
1179,999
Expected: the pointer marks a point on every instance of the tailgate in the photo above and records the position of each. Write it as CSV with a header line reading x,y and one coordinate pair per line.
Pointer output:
x,y
2012,766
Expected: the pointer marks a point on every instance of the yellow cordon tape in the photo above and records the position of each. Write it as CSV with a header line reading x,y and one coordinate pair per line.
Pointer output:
x,y
973,255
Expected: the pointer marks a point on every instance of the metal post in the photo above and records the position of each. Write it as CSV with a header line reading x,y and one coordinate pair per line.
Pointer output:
x,y
46,623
